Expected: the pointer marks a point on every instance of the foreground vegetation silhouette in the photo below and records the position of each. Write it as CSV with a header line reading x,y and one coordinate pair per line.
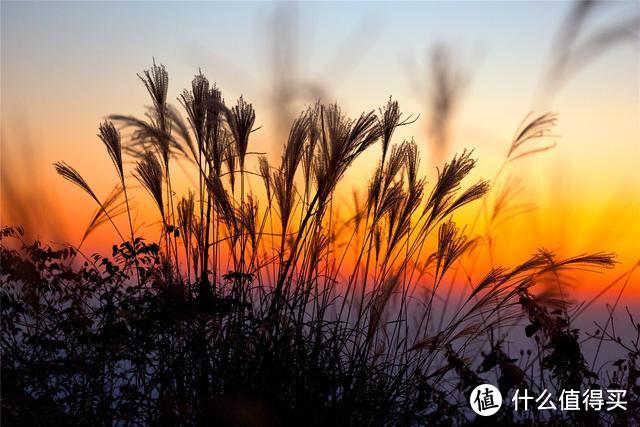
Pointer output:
x,y
266,307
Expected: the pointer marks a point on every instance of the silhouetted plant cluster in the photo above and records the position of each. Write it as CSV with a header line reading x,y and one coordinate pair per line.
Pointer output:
x,y
242,314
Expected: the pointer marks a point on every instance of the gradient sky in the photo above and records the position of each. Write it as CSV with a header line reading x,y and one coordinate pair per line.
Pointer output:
x,y
65,66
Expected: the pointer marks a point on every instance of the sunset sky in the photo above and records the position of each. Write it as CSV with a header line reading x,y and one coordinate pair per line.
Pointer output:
x,y
66,66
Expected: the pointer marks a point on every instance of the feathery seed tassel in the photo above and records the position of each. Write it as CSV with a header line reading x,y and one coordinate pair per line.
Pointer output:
x,y
149,173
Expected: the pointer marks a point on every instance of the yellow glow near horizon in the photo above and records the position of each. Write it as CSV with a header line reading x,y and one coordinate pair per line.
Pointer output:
x,y
57,86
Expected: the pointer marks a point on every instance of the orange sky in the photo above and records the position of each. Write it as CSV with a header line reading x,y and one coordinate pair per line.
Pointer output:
x,y
61,77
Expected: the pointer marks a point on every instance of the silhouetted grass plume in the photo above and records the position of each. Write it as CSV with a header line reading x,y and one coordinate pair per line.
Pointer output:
x,y
253,309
